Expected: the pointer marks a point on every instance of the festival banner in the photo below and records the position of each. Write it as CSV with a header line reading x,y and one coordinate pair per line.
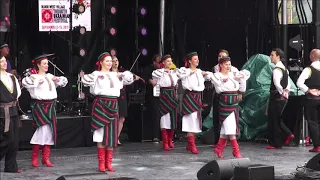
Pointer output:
x,y
54,15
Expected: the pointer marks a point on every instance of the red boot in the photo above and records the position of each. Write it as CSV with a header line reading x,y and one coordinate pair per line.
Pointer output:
x,y
35,154
192,145
170,133
46,156
165,140
101,159
235,148
289,139
220,147
109,156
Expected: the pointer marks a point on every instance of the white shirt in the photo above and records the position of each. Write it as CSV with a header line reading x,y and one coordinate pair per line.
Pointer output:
x,y
163,78
306,73
233,69
234,81
100,84
45,90
192,81
7,81
277,76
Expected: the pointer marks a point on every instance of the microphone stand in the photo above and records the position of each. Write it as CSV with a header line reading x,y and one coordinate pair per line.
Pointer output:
x,y
55,67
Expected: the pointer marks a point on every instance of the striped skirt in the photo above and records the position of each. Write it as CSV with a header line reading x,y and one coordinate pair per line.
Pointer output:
x,y
105,115
169,104
44,113
228,104
191,103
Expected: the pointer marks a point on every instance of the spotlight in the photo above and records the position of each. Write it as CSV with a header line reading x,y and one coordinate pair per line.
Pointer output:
x,y
113,10
80,29
82,52
144,51
113,31
143,31
113,52
79,7
143,11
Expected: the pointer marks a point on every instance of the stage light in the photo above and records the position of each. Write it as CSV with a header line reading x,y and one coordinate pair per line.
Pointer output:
x,y
143,11
79,7
80,29
143,31
113,52
113,31
113,10
144,51
82,52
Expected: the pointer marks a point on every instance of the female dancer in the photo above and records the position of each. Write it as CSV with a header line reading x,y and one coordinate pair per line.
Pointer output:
x,y
9,118
228,84
193,83
122,100
42,88
105,86
167,80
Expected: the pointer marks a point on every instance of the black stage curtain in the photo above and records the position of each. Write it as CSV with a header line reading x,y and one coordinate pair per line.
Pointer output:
x,y
72,132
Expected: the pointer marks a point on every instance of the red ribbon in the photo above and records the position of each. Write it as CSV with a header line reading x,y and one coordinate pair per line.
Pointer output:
x,y
186,63
99,65
33,71
80,1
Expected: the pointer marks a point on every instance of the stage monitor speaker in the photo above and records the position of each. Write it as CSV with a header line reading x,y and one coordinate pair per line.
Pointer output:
x,y
254,172
221,169
314,163
95,176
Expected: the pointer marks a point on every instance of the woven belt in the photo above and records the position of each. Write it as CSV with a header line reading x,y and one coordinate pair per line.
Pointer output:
x,y
6,107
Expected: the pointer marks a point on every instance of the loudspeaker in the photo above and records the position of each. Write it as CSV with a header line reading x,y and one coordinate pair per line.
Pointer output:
x,y
314,163
221,169
208,137
254,172
139,127
95,176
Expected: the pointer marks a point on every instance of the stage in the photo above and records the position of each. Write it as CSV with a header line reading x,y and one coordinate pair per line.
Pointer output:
x,y
149,161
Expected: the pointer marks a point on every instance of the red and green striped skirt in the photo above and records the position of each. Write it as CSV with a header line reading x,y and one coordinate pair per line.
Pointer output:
x,y
228,104
192,103
44,112
105,115
169,104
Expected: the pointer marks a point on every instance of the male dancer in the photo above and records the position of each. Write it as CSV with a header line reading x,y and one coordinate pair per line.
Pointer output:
x,y
309,83
9,118
279,94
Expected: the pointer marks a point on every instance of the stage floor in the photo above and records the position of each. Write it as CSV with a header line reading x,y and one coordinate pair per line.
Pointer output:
x,y
148,161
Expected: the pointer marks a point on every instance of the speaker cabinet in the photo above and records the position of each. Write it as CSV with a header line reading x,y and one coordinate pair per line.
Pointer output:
x,y
138,125
314,163
221,169
254,172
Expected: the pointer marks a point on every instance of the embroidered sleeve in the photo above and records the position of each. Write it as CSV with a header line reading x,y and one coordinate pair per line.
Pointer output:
x,y
127,78
183,72
30,82
89,79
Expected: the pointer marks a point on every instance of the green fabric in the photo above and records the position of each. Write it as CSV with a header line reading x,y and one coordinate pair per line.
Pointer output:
x,y
252,121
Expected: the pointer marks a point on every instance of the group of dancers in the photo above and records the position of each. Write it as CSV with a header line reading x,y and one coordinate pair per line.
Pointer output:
x,y
107,85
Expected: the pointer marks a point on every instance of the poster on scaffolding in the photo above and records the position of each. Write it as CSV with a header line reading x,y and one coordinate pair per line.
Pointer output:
x,y
54,15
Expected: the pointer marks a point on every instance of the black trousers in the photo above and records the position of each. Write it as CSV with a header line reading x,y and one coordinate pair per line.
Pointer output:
x,y
312,113
9,144
215,114
276,127
154,115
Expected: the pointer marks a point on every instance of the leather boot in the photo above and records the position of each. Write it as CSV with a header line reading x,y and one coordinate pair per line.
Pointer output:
x,y
235,148
170,133
192,145
35,155
289,139
165,140
109,156
46,156
101,159
220,147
